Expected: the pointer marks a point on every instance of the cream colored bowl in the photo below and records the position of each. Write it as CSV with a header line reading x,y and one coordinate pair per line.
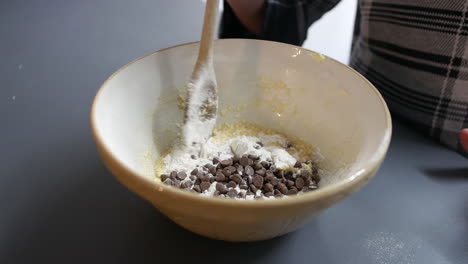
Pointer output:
x,y
135,117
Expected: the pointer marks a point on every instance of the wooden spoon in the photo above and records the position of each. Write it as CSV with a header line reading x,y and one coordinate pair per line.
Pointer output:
x,y
201,104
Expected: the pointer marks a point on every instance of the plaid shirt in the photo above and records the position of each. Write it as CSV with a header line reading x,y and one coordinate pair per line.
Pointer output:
x,y
415,52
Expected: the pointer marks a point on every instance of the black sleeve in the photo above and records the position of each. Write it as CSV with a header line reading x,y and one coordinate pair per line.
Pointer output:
x,y
285,20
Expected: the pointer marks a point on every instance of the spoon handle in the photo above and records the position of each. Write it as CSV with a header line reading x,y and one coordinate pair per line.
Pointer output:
x,y
205,54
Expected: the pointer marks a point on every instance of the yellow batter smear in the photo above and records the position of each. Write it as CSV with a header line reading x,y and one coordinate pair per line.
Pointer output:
x,y
278,85
181,102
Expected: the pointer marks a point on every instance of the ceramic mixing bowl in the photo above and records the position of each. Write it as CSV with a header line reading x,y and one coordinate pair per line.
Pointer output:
x,y
136,116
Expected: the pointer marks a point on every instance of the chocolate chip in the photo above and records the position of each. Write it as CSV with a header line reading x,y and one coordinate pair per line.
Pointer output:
x,y
316,177
212,170
268,194
249,180
305,173
292,191
252,157
298,165
253,188
269,178
290,183
181,175
282,188
257,166
314,169
164,177
205,178
193,156
250,162
215,160
197,188
244,161
280,174
307,181
265,164
249,170
168,181
220,177
288,174
194,171
244,187
269,173
226,163
278,193
239,168
299,183
227,171
221,188
242,195
231,184
173,175
212,179
205,186
236,178
258,181
186,184
268,187
232,193
274,181
176,183
260,172
235,159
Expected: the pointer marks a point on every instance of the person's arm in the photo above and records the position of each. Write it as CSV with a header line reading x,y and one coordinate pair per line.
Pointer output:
x,y
464,139
278,20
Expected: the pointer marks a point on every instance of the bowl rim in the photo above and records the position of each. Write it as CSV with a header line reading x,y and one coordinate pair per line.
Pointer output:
x,y
319,194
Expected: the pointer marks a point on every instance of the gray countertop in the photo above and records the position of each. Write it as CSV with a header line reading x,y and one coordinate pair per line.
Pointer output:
x,y
58,204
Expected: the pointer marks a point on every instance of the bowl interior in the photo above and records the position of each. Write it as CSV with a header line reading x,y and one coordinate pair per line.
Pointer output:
x,y
287,88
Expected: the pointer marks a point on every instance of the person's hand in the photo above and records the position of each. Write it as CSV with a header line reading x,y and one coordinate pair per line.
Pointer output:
x,y
464,138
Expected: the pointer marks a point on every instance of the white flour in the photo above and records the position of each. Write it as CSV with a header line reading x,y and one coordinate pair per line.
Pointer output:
x,y
266,147
181,159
